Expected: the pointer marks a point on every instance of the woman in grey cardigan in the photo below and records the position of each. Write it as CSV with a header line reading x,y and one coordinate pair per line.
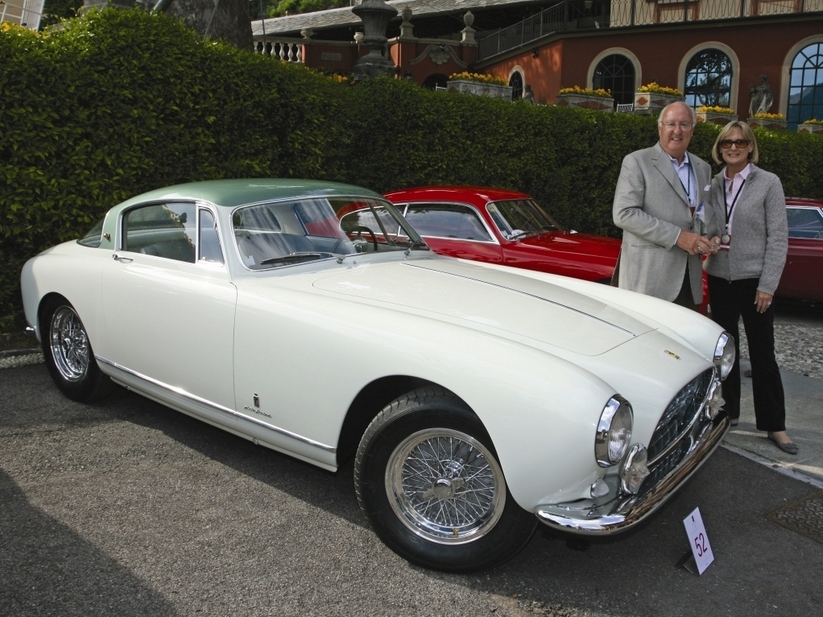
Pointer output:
x,y
750,208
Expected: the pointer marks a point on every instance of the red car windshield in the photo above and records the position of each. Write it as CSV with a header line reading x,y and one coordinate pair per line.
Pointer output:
x,y
517,218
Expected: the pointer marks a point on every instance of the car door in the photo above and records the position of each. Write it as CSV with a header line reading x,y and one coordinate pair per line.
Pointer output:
x,y
168,303
802,277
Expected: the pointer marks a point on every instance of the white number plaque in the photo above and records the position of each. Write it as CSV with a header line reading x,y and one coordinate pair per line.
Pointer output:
x,y
698,540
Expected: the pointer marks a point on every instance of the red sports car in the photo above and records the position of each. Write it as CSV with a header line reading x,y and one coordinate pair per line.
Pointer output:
x,y
803,274
504,227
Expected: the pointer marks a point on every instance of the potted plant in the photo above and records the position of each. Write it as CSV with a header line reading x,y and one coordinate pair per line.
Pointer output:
x,y
479,84
768,121
810,126
716,114
598,99
653,97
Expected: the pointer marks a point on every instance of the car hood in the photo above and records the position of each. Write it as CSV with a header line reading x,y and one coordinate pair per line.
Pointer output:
x,y
492,299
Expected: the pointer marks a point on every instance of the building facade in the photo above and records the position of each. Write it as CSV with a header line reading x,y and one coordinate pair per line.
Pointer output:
x,y
721,53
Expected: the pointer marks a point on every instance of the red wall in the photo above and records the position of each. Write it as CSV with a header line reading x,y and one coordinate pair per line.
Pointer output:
x,y
761,49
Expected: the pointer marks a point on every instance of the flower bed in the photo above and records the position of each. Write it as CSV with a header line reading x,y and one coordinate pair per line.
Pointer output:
x,y
811,126
653,97
480,89
479,84
587,98
480,78
716,115
770,122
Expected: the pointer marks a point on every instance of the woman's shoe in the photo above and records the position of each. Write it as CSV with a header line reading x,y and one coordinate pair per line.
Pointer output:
x,y
789,447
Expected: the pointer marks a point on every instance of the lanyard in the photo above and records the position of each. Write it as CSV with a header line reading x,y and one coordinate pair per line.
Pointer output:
x,y
688,185
730,207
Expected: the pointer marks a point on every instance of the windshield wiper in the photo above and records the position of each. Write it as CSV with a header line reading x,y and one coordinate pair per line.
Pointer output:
x,y
295,258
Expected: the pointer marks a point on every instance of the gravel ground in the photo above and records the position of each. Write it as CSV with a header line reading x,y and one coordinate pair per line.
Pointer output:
x,y
798,342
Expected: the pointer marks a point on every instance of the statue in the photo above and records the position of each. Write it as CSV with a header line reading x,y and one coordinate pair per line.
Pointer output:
x,y
762,98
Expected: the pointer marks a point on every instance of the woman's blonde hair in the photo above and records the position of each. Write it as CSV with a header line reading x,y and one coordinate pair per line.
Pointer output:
x,y
748,133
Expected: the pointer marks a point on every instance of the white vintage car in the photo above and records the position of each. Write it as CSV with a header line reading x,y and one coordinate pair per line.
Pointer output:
x,y
308,317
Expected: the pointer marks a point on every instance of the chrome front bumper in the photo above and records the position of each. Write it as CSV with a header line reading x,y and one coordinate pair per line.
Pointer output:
x,y
623,512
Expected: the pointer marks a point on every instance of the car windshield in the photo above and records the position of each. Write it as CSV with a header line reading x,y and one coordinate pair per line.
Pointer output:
x,y
291,232
519,218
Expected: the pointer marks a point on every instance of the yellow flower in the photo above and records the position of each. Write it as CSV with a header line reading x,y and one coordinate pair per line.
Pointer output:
x,y
716,109
601,92
478,77
768,116
812,121
656,88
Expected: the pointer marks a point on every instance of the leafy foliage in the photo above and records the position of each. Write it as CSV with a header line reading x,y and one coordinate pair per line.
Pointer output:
x,y
57,10
117,102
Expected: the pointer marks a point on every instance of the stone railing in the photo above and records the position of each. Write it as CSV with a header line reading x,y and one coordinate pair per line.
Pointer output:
x,y
284,50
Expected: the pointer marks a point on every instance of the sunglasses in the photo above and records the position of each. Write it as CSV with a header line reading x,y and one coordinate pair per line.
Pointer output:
x,y
728,143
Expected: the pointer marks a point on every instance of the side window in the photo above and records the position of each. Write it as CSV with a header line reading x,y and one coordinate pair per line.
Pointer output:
x,y
447,221
209,241
163,230
805,223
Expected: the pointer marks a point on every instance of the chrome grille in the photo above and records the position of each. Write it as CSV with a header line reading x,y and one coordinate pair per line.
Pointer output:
x,y
680,414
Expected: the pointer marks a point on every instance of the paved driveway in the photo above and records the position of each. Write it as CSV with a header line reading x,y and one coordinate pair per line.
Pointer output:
x,y
127,508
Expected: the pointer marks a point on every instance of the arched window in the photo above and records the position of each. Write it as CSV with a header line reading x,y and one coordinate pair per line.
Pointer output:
x,y
516,83
709,79
615,73
806,86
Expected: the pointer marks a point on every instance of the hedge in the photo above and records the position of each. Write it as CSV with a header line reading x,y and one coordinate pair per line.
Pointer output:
x,y
117,102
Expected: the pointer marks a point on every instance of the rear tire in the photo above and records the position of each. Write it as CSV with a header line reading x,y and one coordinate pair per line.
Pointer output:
x,y
427,478
68,353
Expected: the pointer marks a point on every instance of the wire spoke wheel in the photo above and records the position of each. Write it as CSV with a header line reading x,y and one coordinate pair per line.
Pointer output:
x,y
445,486
69,344
428,479
68,352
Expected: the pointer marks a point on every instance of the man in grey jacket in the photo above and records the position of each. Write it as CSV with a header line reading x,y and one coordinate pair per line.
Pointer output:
x,y
658,203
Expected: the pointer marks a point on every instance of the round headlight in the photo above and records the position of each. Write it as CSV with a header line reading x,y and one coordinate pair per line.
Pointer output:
x,y
614,432
724,354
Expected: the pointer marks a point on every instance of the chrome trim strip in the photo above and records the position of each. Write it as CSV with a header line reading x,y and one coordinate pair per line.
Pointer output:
x,y
232,412
624,511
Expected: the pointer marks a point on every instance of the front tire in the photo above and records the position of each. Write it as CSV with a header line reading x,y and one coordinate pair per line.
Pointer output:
x,y
68,353
428,480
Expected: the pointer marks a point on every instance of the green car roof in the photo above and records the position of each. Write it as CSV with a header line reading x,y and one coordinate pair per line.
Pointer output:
x,y
231,193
